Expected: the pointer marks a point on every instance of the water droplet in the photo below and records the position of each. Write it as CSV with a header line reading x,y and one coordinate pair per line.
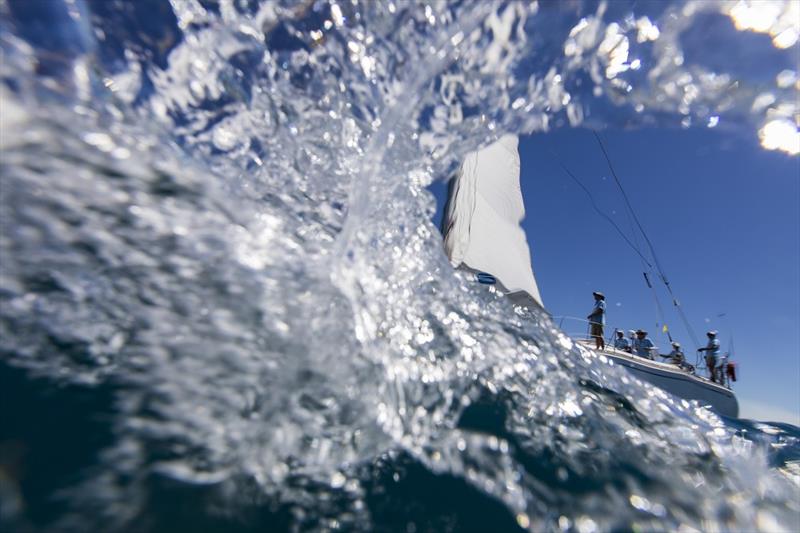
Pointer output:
x,y
338,480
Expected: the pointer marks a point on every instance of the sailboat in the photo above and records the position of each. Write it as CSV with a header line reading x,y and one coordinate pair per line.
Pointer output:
x,y
483,236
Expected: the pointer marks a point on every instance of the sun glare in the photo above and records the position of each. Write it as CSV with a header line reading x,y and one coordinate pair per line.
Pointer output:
x,y
781,20
781,135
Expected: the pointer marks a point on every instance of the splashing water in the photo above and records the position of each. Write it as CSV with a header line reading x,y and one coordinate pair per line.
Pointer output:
x,y
216,229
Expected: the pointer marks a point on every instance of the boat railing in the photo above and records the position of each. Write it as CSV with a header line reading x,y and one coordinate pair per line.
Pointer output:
x,y
721,376
585,335
720,370
574,322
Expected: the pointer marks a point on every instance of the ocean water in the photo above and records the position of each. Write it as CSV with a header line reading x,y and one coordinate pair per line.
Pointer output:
x,y
223,306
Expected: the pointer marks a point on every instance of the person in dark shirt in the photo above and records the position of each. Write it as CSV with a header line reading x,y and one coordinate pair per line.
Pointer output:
x,y
644,346
621,343
597,318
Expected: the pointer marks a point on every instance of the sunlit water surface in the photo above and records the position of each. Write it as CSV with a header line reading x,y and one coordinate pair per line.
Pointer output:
x,y
223,305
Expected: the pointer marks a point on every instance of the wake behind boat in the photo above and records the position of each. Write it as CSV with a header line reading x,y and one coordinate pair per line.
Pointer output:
x,y
483,237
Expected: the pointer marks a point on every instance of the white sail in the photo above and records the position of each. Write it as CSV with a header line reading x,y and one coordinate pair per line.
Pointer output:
x,y
484,210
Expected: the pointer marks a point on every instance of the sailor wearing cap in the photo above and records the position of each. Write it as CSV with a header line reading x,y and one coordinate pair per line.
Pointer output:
x,y
712,354
621,343
644,345
597,318
676,355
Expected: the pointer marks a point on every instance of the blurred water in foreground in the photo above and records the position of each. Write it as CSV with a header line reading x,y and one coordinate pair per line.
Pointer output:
x,y
223,305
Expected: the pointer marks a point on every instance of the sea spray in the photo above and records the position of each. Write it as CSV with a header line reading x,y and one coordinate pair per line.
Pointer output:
x,y
215,225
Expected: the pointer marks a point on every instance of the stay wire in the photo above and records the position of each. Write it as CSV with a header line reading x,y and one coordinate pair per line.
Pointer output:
x,y
597,209
659,310
647,240
647,271
630,208
646,265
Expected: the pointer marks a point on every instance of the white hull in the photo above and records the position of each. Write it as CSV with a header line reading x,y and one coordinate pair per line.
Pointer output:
x,y
676,381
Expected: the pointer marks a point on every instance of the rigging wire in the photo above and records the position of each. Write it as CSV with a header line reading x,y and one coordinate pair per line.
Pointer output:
x,y
630,208
597,209
724,317
659,310
659,268
647,270
646,266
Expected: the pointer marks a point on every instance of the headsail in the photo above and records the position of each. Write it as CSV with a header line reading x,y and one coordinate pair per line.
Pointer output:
x,y
484,209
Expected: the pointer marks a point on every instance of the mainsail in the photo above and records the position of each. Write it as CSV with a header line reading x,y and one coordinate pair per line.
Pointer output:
x,y
484,209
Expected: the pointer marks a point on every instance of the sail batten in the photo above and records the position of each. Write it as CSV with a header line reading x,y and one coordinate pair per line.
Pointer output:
x,y
482,220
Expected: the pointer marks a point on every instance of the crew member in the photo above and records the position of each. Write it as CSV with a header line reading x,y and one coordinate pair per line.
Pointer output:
x,y
632,340
643,344
676,356
597,318
621,343
712,354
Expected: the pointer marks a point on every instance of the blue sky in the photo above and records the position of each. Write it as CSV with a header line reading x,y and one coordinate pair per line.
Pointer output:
x,y
724,217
